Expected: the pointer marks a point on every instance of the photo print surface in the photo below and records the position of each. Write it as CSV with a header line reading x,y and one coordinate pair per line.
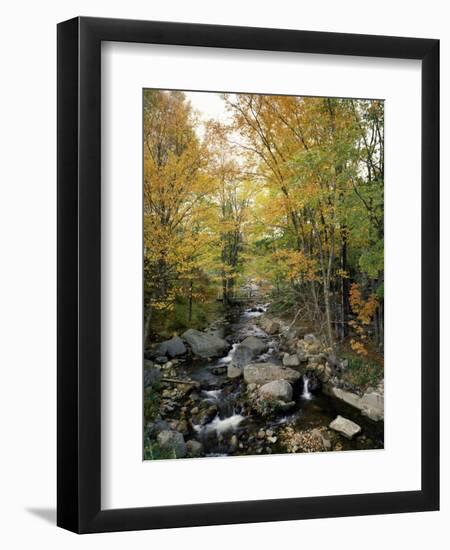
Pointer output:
x,y
263,264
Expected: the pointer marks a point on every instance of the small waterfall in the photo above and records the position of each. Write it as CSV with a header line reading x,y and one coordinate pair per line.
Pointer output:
x,y
306,393
212,395
228,358
224,403
222,425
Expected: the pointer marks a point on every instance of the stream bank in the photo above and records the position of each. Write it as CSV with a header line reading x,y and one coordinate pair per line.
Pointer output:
x,y
249,385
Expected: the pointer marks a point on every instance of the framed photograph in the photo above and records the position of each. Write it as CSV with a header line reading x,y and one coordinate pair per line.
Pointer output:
x,y
248,254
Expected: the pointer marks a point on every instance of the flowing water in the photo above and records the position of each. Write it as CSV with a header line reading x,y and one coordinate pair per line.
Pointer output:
x,y
306,394
312,409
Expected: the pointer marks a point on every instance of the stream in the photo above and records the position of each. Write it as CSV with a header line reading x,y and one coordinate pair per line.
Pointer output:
x,y
234,429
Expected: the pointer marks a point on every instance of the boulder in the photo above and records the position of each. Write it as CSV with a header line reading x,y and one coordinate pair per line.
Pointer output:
x,y
290,360
173,347
301,354
242,356
204,416
261,373
254,344
205,345
172,442
271,326
372,405
234,371
153,428
373,399
194,448
278,389
346,396
345,427
219,370
152,374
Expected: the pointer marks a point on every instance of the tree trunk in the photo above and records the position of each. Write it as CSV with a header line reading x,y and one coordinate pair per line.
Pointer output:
x,y
326,297
147,324
225,297
345,306
190,302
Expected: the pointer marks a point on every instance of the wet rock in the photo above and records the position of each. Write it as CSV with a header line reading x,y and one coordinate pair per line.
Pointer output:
x,y
254,344
278,389
219,369
153,428
261,373
205,416
285,406
184,389
194,448
345,427
205,345
182,426
242,356
173,347
233,443
161,359
152,374
173,442
290,360
233,371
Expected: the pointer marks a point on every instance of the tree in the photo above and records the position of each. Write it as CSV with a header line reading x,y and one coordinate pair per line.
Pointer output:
x,y
231,200
289,194
175,185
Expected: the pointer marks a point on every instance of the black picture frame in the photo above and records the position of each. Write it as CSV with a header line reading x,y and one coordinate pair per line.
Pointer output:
x,y
79,281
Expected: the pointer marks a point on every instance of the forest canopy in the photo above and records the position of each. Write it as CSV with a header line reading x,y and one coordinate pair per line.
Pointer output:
x,y
284,194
